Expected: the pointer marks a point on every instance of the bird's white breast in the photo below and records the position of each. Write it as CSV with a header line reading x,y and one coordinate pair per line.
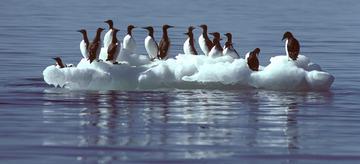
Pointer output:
x,y
214,53
187,47
118,47
129,44
83,49
151,47
231,52
202,44
108,38
286,49
247,56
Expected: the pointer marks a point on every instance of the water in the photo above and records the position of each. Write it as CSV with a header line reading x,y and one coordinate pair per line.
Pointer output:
x,y
40,124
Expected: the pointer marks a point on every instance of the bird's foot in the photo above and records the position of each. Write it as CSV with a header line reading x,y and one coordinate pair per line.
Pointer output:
x,y
116,63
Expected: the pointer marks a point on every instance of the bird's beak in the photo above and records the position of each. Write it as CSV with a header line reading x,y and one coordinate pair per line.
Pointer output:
x,y
171,26
78,30
283,38
144,27
186,33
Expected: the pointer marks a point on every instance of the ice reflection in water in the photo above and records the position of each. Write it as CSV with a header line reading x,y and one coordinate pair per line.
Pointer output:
x,y
178,125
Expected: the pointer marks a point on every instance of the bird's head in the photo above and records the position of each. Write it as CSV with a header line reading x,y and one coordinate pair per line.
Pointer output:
x,y
149,28
130,27
166,26
256,51
216,35
287,35
110,23
203,26
83,31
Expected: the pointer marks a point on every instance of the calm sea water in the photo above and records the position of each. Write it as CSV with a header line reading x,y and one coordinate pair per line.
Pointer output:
x,y
41,124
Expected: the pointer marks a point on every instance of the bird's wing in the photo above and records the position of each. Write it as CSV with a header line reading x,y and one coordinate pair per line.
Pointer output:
x,y
163,48
111,51
232,46
192,44
293,48
93,47
253,63
209,44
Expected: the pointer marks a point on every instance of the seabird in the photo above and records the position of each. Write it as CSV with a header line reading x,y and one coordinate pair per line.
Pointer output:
x,y
164,44
204,41
228,48
114,48
189,47
60,64
292,46
95,46
252,60
216,50
151,46
108,35
84,44
129,44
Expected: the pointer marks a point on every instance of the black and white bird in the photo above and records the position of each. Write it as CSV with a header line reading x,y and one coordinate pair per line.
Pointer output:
x,y
164,44
151,46
108,34
292,46
229,48
95,46
252,59
204,41
114,48
60,64
216,50
129,44
84,44
189,47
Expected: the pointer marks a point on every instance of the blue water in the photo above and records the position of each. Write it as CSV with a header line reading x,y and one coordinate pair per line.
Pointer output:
x,y
41,124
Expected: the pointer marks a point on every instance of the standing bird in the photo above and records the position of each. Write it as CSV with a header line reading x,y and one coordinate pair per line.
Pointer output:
x,y
252,60
292,46
229,49
189,47
108,35
129,43
204,41
95,46
164,44
84,44
59,63
151,46
114,48
216,50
